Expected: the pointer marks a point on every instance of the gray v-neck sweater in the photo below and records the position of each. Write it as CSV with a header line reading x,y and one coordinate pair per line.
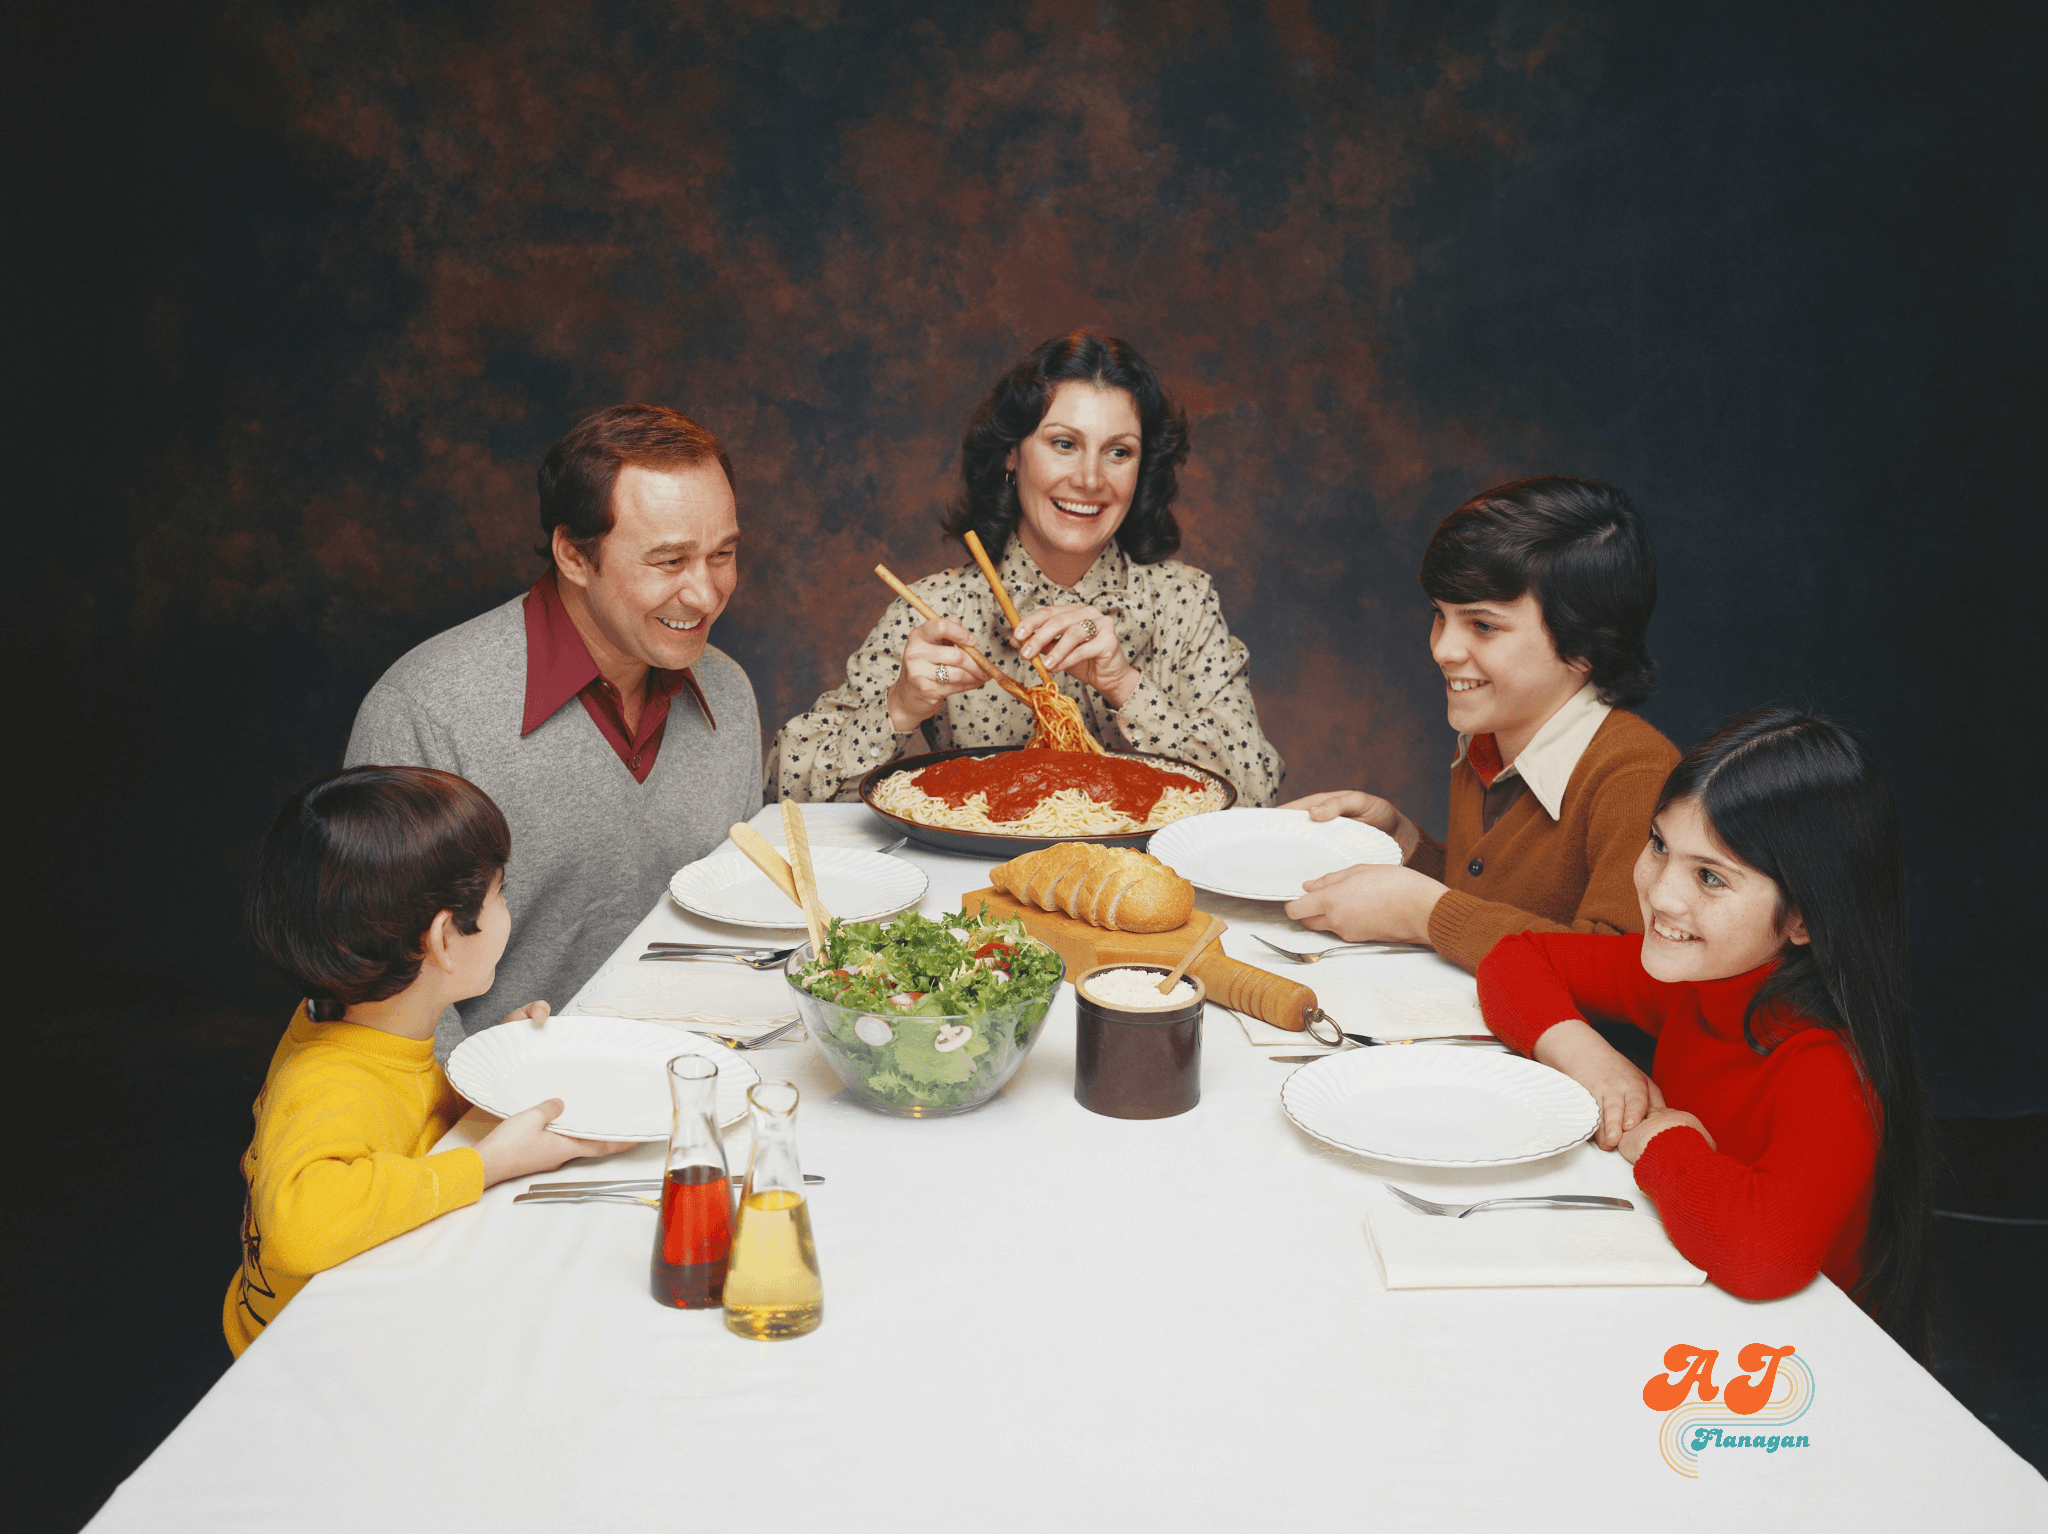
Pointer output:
x,y
592,850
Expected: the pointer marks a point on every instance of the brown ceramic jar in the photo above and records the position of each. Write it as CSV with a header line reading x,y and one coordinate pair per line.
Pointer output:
x,y
1132,1063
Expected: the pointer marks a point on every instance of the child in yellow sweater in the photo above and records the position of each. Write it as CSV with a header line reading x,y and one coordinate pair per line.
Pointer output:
x,y
381,892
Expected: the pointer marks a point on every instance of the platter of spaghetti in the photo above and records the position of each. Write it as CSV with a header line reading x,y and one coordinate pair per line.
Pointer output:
x,y
1002,800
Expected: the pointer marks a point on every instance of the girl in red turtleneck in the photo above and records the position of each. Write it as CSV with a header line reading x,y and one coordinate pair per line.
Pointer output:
x,y
1781,1131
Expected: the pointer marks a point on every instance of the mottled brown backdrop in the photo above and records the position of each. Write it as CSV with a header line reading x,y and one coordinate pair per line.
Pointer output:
x,y
321,281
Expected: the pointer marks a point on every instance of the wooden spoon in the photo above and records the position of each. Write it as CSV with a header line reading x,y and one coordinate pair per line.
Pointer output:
x,y
762,854
806,878
1216,928
1003,601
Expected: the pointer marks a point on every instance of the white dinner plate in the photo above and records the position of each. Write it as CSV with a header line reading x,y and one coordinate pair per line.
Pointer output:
x,y
610,1072
1433,1105
852,885
1267,854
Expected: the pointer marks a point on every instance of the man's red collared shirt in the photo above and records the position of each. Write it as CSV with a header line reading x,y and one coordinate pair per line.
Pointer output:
x,y
559,667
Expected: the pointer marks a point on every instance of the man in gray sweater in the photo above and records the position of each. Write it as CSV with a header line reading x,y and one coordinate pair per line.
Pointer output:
x,y
618,743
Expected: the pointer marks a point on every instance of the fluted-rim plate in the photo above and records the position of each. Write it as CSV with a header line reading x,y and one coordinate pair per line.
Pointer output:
x,y
610,1072
1266,854
1427,1105
854,885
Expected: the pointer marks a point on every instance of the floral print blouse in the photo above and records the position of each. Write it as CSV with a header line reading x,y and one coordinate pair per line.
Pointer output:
x,y
1194,699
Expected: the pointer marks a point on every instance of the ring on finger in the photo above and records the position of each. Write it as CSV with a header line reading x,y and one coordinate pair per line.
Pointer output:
x,y
944,674
1088,628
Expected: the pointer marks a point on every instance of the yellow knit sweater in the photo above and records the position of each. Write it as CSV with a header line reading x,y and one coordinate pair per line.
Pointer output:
x,y
339,1162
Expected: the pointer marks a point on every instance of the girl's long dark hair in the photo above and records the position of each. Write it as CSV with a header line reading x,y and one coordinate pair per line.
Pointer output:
x,y
1018,402
1799,799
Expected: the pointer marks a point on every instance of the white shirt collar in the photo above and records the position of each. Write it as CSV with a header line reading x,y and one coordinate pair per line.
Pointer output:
x,y
1552,755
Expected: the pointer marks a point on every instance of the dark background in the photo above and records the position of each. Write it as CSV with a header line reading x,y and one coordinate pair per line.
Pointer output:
x,y
303,292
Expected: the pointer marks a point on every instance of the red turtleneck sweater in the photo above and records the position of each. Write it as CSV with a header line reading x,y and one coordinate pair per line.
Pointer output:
x,y
1788,1193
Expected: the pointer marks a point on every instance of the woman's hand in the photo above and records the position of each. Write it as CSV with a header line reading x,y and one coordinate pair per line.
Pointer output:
x,y
1626,1096
1369,903
524,1144
1081,641
1368,809
1637,1140
920,691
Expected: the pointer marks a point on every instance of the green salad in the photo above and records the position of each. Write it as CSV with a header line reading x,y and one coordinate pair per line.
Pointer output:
x,y
926,1015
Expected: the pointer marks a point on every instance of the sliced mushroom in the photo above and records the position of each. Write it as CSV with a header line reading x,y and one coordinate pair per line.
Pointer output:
x,y
951,1037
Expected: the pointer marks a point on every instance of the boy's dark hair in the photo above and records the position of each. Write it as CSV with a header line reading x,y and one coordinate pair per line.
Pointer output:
x,y
1800,799
1017,404
1576,544
355,868
577,476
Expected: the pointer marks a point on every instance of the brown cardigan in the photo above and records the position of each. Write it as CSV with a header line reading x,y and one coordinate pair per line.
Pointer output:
x,y
1529,873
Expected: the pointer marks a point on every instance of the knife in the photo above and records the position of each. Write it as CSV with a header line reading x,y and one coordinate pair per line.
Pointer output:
x,y
620,1185
1451,1038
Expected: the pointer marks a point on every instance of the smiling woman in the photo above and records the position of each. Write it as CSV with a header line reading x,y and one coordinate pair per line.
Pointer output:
x,y
1069,470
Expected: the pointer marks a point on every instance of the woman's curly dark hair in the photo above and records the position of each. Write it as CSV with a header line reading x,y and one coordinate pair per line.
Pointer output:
x,y
1012,411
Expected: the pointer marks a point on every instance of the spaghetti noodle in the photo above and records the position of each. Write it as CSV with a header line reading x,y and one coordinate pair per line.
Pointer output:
x,y
1056,723
1046,794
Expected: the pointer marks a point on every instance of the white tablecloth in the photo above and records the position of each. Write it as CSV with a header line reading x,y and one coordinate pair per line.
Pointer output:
x,y
1040,1319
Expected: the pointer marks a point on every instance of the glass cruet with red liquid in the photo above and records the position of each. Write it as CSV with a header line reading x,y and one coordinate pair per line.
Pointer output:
x,y
694,1236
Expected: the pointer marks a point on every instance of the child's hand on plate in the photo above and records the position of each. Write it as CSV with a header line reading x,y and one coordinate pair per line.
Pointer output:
x,y
1351,804
1625,1095
539,1011
523,1144
1367,809
1369,903
1637,1140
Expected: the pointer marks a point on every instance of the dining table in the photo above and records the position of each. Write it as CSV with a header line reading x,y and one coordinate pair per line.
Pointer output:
x,y
1037,1317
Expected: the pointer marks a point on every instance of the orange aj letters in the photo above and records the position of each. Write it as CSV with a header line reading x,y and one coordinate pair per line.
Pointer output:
x,y
1661,1393
1746,1397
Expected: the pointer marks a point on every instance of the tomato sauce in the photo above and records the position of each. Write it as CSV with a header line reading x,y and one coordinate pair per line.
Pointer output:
x,y
1016,780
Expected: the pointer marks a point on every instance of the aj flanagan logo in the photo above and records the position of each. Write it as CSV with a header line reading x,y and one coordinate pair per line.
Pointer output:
x,y
1774,1390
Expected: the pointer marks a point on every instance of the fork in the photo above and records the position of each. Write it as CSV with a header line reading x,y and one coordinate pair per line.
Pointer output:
x,y
753,958
1323,953
754,1043
1546,1201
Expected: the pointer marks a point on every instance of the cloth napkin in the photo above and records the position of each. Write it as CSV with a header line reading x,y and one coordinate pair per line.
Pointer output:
x,y
1523,1248
728,996
1389,996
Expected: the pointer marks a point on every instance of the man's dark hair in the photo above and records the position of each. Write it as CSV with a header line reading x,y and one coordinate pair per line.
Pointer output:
x,y
357,865
577,476
1579,546
1013,411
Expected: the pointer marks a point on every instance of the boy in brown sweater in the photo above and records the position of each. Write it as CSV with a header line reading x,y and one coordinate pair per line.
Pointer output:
x,y
1542,592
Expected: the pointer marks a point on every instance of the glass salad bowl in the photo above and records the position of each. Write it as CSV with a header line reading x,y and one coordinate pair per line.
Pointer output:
x,y
923,1065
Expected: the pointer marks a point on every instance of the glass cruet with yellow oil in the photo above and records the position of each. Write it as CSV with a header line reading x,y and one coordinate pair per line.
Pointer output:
x,y
771,1280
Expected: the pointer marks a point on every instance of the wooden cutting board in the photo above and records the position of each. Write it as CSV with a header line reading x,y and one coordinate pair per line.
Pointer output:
x,y
1283,1003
